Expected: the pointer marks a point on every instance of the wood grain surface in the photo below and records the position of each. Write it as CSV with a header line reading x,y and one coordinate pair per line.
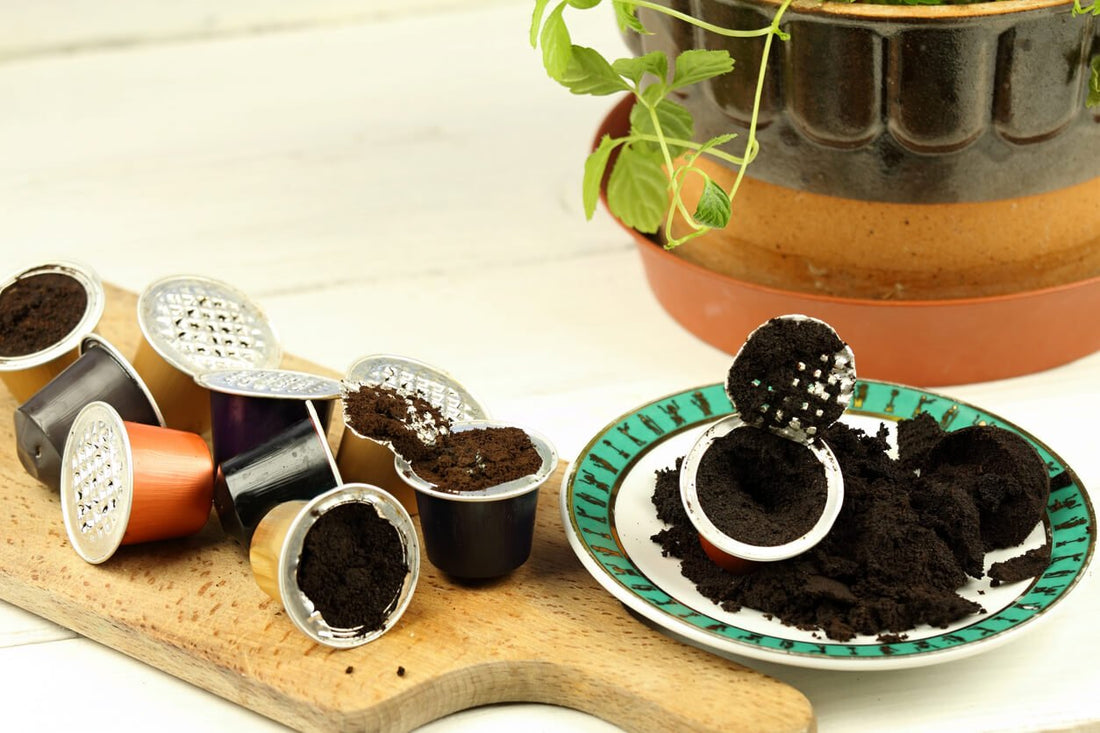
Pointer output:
x,y
546,633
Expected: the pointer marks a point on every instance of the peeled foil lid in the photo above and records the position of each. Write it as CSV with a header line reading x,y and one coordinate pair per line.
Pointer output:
x,y
201,325
96,482
271,383
408,376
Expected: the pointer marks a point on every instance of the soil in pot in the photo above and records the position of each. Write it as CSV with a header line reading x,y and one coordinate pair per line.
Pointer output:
x,y
896,556
37,312
761,488
352,567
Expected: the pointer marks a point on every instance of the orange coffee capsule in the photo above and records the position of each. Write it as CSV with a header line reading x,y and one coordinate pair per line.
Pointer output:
x,y
126,483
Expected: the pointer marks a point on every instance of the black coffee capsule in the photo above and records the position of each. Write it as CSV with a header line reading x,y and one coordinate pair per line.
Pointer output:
x,y
250,406
295,464
101,374
484,533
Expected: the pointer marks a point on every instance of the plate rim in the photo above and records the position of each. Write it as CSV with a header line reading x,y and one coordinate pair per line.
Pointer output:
x,y
677,626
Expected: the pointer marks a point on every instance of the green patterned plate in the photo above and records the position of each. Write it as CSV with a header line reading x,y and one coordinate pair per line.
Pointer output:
x,y
608,516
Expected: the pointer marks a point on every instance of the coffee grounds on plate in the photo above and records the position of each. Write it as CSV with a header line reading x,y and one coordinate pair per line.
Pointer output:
x,y
38,311
471,460
760,488
1021,567
352,567
890,563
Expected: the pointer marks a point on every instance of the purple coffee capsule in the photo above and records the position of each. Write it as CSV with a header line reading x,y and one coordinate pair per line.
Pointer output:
x,y
250,406
295,464
101,374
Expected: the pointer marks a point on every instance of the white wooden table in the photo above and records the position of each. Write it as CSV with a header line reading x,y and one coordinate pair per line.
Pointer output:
x,y
384,175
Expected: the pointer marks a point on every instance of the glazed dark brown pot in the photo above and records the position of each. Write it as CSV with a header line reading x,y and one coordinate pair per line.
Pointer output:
x,y
907,152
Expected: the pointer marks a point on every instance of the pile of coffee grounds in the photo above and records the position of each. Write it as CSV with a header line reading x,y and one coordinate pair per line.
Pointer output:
x,y
471,460
407,421
904,543
352,567
467,460
782,373
38,311
760,488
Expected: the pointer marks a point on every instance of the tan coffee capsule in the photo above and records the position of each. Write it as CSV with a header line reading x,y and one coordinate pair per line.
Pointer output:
x,y
276,554
194,325
366,460
26,373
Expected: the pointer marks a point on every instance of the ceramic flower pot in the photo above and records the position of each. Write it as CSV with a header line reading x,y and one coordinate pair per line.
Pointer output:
x,y
907,152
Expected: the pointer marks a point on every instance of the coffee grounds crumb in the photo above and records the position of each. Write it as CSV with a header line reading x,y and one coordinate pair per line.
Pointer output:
x,y
400,671
471,460
892,638
761,488
411,423
39,311
916,436
1028,565
349,670
352,567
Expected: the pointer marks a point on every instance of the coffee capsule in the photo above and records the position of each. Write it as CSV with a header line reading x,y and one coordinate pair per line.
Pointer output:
x,y
191,326
100,374
365,459
484,533
282,548
250,406
125,483
29,360
296,463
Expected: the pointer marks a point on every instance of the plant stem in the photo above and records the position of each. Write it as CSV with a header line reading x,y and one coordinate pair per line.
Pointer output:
x,y
728,32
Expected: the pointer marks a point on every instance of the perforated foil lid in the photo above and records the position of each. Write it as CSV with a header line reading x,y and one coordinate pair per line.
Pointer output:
x,y
97,477
93,311
270,383
409,376
200,325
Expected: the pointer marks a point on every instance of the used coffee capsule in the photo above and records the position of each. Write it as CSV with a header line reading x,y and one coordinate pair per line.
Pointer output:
x,y
344,565
191,326
125,483
791,379
295,464
484,533
250,406
45,311
365,459
101,374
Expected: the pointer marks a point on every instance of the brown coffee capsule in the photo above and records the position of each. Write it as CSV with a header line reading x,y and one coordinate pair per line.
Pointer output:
x,y
125,483
276,549
26,373
100,374
193,325
364,459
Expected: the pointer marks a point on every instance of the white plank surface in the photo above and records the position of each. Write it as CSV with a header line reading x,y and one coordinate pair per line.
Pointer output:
x,y
409,182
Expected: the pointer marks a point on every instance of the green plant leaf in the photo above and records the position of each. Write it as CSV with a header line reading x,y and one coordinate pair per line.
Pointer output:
x,y
584,4
636,189
536,20
627,17
696,65
557,47
590,73
1094,83
594,167
674,119
634,68
713,209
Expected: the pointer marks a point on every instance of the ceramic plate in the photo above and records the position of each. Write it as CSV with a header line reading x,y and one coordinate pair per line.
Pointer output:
x,y
609,519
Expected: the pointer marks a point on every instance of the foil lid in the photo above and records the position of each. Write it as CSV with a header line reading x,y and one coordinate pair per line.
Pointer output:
x,y
271,383
410,377
93,311
97,477
200,325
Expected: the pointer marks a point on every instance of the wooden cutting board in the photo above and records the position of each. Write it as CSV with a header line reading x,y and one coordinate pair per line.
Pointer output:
x,y
546,633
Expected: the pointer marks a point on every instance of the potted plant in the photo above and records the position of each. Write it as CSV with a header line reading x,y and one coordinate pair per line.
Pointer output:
x,y
914,174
